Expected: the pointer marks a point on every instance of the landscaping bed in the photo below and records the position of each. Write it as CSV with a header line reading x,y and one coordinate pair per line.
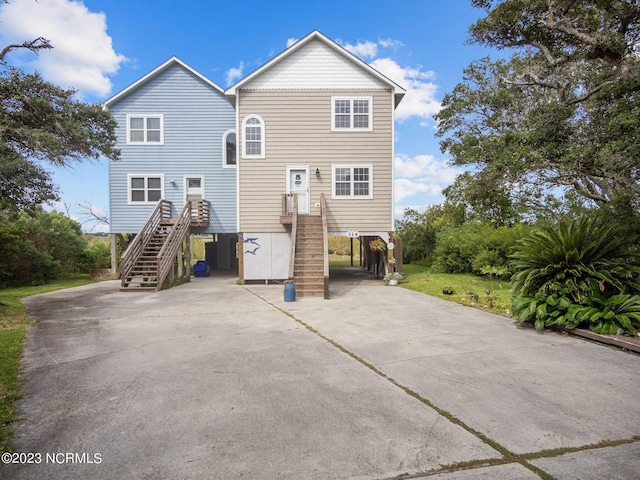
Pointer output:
x,y
463,289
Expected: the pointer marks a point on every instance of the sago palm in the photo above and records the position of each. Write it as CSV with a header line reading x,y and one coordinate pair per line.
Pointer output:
x,y
583,257
562,270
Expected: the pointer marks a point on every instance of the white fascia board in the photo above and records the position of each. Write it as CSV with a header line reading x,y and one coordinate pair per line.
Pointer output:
x,y
398,91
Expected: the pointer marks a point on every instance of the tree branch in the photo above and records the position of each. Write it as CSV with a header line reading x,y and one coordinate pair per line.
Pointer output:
x,y
587,188
590,93
534,81
35,46
558,26
90,215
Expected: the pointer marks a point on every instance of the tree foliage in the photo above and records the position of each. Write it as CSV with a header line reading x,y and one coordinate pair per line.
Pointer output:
x,y
40,124
37,246
418,230
446,238
476,247
561,113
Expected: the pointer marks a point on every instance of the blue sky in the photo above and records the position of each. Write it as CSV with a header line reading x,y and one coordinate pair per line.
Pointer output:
x,y
102,46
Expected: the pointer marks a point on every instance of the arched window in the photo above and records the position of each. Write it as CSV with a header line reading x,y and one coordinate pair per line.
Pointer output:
x,y
253,137
229,158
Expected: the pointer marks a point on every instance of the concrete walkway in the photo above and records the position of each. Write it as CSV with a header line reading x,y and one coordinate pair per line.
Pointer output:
x,y
217,380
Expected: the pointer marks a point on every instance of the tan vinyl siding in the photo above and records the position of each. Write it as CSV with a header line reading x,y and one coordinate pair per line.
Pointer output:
x,y
298,132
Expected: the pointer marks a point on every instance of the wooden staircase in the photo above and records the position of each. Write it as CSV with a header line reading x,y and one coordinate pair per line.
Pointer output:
x,y
156,250
308,268
143,275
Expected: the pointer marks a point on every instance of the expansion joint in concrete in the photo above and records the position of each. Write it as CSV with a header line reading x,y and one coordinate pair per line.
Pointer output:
x,y
507,456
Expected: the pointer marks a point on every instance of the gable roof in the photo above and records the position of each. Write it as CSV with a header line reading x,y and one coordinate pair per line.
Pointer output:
x,y
155,72
397,90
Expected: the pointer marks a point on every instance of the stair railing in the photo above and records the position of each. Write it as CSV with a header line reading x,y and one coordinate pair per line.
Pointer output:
x,y
325,244
200,213
294,233
173,244
136,247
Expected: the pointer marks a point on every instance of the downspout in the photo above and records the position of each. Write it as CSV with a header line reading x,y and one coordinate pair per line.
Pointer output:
x,y
238,155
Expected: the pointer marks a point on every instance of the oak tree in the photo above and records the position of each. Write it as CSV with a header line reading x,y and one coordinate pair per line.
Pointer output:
x,y
41,125
561,112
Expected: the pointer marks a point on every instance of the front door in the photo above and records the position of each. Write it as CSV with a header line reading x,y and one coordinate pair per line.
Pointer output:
x,y
298,183
193,188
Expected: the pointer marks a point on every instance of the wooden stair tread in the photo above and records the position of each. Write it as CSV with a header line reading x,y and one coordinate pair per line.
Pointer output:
x,y
308,268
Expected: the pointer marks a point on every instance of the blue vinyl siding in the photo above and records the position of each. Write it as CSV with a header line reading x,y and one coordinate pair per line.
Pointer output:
x,y
196,116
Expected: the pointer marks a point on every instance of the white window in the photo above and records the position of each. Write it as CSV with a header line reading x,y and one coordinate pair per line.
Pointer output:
x,y
144,129
253,137
351,113
352,181
145,188
229,158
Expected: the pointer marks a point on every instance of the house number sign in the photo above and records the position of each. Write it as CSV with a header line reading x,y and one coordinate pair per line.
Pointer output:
x,y
353,234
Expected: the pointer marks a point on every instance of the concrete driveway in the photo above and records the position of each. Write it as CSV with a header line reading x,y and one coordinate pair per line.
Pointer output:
x,y
217,380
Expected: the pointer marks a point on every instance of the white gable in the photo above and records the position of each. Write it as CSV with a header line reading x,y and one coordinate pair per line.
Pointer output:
x,y
315,66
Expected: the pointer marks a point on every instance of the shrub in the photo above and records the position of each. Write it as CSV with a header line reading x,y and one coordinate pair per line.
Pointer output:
x,y
607,315
21,263
476,247
577,273
457,246
37,246
96,255
579,258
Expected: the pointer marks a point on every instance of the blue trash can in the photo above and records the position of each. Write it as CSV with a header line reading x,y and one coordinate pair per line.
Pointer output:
x,y
289,292
201,269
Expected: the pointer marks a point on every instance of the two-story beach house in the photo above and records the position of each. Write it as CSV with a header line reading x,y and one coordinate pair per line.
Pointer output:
x,y
315,127
177,172
298,150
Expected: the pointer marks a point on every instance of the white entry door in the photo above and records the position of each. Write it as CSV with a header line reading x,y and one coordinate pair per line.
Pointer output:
x,y
194,188
298,182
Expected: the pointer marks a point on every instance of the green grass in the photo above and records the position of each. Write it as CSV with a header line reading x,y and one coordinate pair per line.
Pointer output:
x,y
13,325
465,287
343,261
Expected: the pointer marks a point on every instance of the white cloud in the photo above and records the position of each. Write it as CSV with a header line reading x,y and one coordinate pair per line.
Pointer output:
x,y
420,99
234,74
363,50
422,174
389,43
421,166
405,188
83,55
291,41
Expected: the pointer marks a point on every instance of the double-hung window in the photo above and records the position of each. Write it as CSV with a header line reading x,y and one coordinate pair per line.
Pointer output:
x,y
253,137
351,113
145,188
145,129
352,181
